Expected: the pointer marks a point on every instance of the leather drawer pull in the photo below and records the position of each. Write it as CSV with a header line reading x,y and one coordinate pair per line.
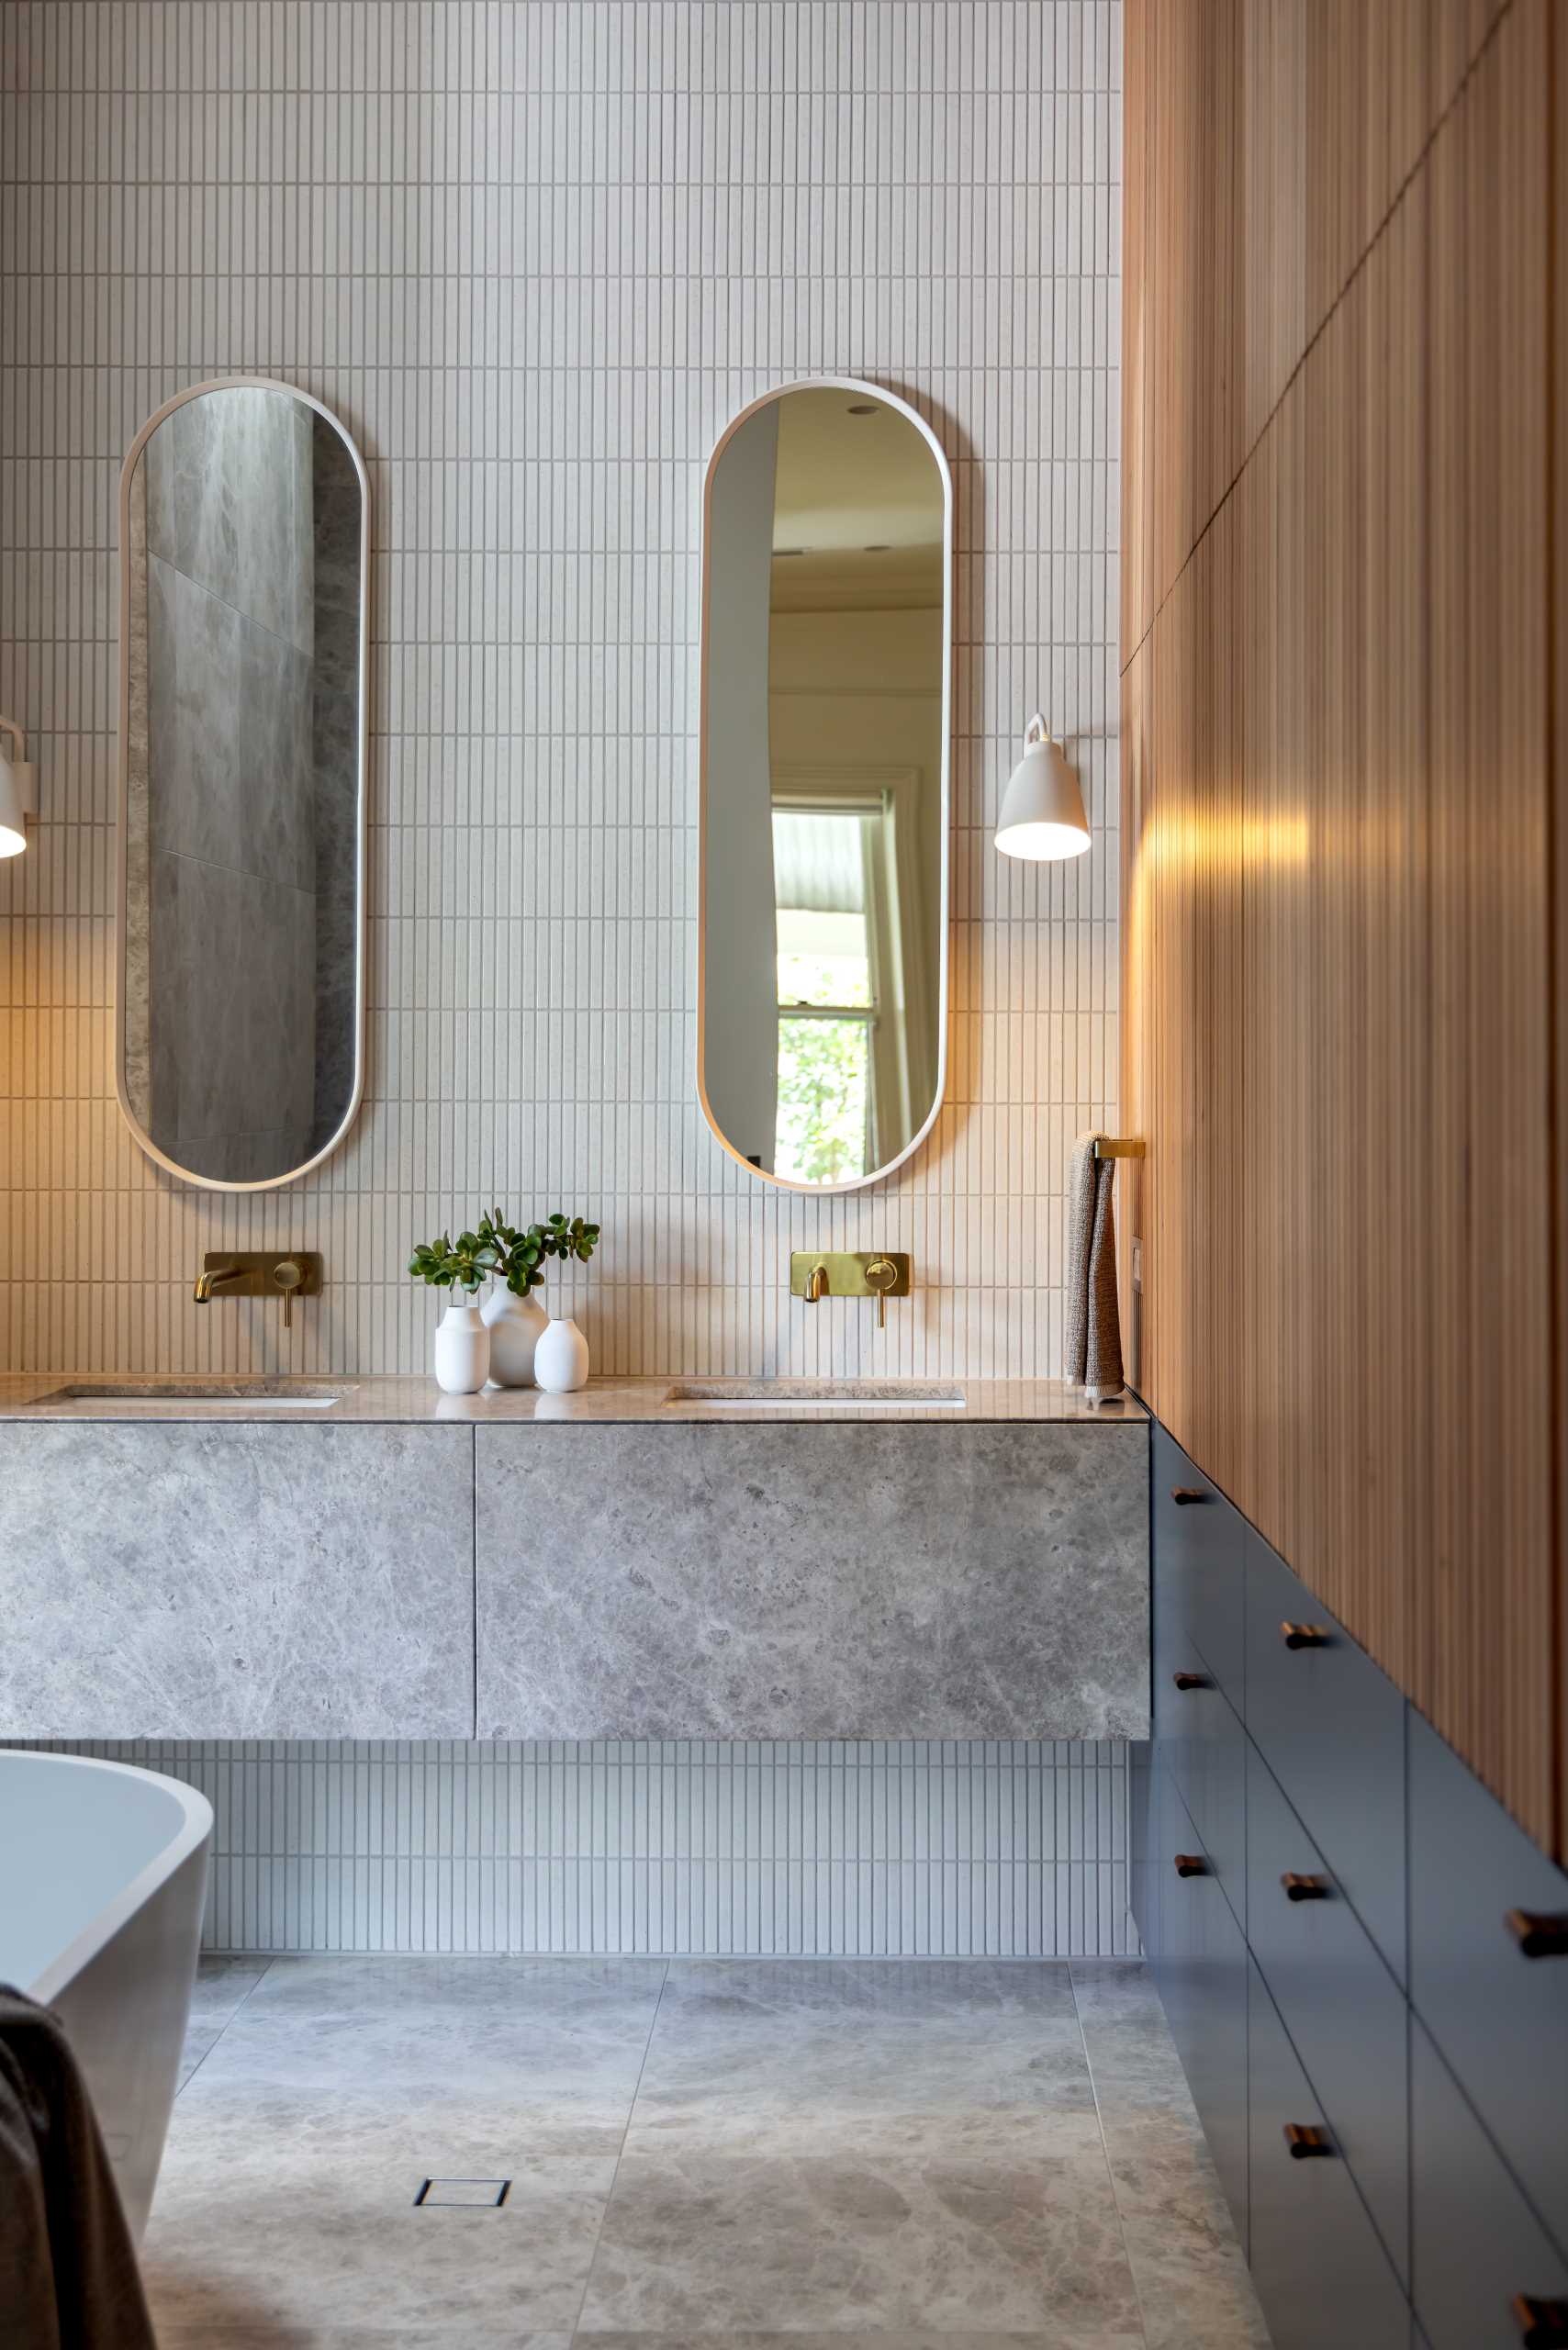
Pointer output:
x,y
1304,1888
1186,1496
1306,2139
1190,1865
1539,1934
1191,1681
1542,2324
1304,1636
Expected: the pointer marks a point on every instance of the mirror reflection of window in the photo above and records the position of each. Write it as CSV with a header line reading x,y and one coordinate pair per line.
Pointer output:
x,y
828,970
824,701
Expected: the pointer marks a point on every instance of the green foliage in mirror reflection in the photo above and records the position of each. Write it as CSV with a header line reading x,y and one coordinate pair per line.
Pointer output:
x,y
824,1069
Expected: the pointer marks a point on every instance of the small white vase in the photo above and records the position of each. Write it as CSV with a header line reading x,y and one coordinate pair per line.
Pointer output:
x,y
462,1351
560,1359
516,1324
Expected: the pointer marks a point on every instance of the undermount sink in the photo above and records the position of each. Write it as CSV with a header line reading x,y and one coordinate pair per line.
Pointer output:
x,y
269,1395
815,1396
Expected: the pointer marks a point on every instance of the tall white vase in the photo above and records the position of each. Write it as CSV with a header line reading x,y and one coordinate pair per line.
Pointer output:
x,y
462,1351
560,1359
516,1324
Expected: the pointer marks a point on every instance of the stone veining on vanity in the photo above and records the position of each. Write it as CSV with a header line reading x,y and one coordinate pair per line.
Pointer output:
x,y
227,1570
849,1581
235,1581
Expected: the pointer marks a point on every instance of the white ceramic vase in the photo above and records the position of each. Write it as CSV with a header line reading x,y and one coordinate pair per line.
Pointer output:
x,y
516,1324
462,1351
560,1359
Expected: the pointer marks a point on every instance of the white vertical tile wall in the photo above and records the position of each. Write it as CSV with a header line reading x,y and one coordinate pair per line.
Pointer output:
x,y
535,253
827,1849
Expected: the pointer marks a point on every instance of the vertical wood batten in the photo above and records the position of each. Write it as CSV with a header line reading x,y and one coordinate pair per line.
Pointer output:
x,y
1344,1062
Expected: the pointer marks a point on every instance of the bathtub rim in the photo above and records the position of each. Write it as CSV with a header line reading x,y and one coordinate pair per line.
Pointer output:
x,y
194,1831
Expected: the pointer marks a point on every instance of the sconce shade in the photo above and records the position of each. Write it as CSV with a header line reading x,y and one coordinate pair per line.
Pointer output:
x,y
1042,808
18,793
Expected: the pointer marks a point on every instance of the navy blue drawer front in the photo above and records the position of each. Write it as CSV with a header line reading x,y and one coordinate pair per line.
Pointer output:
x,y
1202,1743
1476,2245
1331,1727
1322,2275
1201,1978
1342,2008
1143,1888
1198,1538
1499,2017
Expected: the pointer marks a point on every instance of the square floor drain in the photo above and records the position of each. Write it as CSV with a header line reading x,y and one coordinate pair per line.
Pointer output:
x,y
489,2193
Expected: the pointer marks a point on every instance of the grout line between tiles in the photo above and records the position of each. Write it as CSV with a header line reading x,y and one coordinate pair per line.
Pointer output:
x,y
614,2176
1105,2151
262,1971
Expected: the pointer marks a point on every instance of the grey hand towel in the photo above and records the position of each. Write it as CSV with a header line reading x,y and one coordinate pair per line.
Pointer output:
x,y
1093,1357
68,2273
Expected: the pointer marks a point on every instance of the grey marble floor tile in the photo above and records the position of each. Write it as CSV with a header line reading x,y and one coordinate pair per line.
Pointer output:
x,y
770,2057
705,2243
287,2336
815,2090
222,1987
592,2339
1187,2263
554,2047
297,2222
356,1987
977,1993
1131,2053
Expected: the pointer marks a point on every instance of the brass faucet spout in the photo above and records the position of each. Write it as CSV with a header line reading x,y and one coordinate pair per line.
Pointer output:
x,y
207,1282
816,1285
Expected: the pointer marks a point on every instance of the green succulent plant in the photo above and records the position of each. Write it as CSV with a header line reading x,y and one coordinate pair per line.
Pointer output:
x,y
498,1251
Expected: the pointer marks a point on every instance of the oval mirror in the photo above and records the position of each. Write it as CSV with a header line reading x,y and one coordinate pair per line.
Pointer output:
x,y
244,539
826,617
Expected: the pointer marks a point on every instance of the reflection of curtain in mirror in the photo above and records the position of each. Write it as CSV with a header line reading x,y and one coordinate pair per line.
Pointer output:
x,y
741,1018
843,1065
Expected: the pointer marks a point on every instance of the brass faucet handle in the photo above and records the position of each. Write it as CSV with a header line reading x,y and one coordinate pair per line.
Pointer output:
x,y
881,1275
288,1277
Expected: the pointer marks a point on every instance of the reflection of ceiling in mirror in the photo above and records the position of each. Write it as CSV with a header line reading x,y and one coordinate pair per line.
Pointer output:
x,y
857,507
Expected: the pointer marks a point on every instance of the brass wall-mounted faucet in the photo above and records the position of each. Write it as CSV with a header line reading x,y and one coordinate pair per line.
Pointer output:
x,y
213,1277
261,1272
855,1272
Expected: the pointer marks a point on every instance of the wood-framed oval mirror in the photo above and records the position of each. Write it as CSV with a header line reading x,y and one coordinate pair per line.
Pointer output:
x,y
244,657
826,733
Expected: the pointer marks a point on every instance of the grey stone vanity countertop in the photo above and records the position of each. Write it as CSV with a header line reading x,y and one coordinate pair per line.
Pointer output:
x,y
604,1402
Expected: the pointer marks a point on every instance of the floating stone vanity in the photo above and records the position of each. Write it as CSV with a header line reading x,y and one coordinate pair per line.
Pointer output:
x,y
397,1563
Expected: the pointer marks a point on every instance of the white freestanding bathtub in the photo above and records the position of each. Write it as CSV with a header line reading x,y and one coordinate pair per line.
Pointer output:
x,y
103,1875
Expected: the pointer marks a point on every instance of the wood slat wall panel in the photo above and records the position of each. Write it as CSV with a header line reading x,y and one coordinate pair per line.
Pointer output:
x,y
1266,142
1337,967
1557,151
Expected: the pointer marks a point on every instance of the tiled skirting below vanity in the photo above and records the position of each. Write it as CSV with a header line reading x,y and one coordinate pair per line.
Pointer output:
x,y
1010,1849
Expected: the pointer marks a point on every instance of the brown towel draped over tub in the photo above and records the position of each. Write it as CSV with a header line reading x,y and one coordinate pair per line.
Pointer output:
x,y
68,2273
1093,1324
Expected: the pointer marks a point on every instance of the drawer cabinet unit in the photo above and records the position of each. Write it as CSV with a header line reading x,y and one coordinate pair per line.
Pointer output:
x,y
1331,1726
1321,2273
1202,1978
1477,2245
1342,2008
1198,1539
1364,1966
1499,2017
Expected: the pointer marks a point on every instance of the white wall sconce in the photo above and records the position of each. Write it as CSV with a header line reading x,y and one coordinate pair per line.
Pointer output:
x,y
19,792
1042,808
